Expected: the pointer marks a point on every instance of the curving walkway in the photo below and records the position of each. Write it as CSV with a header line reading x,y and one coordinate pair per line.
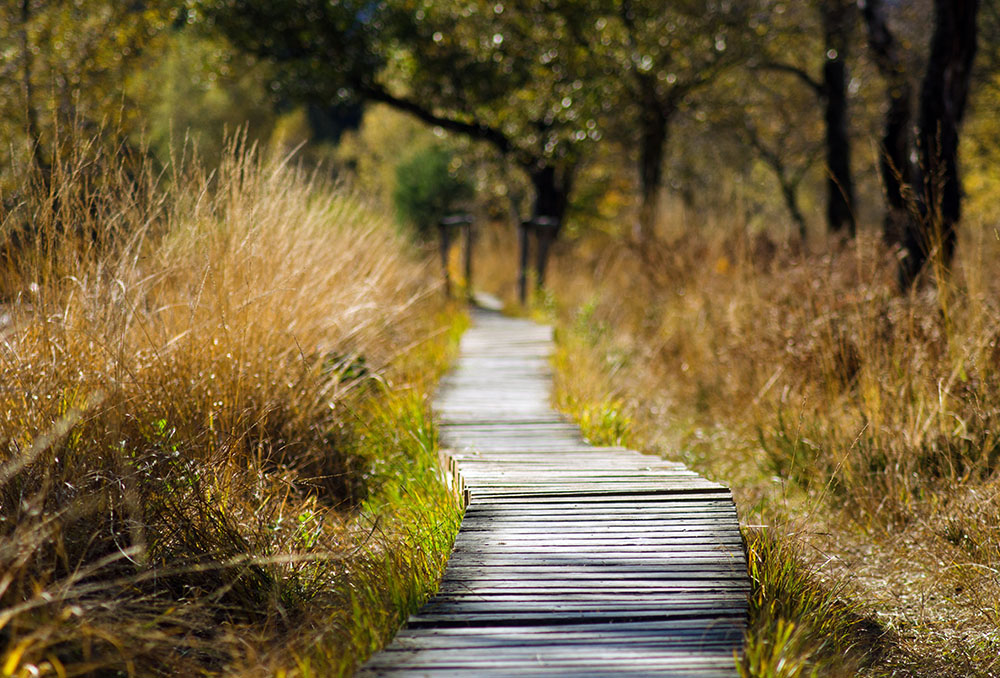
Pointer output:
x,y
572,560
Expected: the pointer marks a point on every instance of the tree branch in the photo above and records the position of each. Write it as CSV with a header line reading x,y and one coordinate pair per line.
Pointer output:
x,y
799,73
476,130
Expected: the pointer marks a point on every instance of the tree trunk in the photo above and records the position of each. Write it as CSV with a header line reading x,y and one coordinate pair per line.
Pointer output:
x,y
895,166
552,185
654,125
545,237
943,97
31,127
840,186
789,181
522,263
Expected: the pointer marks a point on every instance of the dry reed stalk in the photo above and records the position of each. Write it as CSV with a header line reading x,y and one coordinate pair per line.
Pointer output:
x,y
857,421
183,355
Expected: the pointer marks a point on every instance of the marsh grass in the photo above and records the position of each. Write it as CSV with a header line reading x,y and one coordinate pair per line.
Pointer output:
x,y
213,392
400,543
858,423
799,623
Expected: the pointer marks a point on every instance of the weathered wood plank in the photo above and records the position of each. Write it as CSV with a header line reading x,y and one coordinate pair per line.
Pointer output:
x,y
614,671
646,632
584,545
525,603
644,570
489,585
695,524
625,628
637,501
664,658
575,615
533,575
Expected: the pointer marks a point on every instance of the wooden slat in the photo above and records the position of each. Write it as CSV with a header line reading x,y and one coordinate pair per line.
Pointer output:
x,y
572,559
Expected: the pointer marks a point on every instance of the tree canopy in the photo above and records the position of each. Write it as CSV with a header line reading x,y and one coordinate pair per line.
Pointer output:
x,y
679,93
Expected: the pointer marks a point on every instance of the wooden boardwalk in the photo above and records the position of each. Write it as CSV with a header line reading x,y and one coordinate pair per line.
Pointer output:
x,y
572,560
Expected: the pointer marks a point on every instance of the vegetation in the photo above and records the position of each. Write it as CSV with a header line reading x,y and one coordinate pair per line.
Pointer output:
x,y
217,453
858,426
427,188
777,228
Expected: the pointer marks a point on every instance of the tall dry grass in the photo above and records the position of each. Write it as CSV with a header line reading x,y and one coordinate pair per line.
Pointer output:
x,y
187,363
857,422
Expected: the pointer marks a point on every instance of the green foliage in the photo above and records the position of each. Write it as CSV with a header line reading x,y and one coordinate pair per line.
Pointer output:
x,y
799,627
404,532
980,154
604,423
200,89
428,188
511,75
368,155
67,64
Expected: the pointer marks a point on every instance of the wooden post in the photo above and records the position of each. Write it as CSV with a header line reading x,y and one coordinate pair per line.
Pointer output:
x,y
445,232
522,270
469,235
545,235
544,229
463,221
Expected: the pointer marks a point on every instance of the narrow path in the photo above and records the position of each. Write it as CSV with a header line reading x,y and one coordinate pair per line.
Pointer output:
x,y
572,560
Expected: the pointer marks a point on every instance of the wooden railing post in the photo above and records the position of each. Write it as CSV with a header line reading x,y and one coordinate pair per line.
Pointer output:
x,y
545,234
446,225
544,229
469,235
445,242
522,266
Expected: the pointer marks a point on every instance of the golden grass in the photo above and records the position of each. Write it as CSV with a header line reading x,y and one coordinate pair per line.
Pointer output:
x,y
860,424
193,475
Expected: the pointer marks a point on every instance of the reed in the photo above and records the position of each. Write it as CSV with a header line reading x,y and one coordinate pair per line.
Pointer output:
x,y
858,423
189,476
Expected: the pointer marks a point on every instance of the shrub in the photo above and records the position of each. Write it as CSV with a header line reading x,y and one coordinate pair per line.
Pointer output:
x,y
427,188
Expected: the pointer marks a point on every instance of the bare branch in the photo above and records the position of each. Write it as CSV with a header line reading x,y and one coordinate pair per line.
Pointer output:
x,y
476,130
779,67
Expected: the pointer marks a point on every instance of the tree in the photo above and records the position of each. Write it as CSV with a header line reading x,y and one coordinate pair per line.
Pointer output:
x,y
943,96
988,50
201,91
836,19
779,149
510,75
924,199
67,66
663,55
753,121
427,188
895,167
